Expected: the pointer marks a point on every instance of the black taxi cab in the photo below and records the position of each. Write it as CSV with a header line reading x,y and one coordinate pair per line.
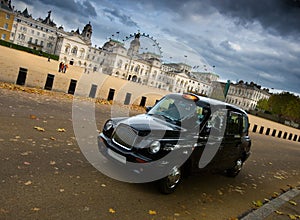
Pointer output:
x,y
181,133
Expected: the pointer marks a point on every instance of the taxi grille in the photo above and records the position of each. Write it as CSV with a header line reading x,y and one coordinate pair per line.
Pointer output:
x,y
125,136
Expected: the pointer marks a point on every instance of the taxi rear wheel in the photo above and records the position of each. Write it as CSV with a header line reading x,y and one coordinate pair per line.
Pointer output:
x,y
235,170
169,183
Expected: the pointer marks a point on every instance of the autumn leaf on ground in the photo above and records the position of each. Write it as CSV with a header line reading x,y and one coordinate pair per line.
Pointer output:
x,y
26,163
28,183
35,209
257,203
112,211
152,212
292,202
278,212
52,162
275,195
52,138
293,217
39,128
61,130
32,116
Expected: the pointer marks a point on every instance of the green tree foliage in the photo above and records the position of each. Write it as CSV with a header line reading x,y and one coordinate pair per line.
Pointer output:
x,y
263,104
285,105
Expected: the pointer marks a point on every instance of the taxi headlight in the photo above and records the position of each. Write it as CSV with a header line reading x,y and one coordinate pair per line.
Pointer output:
x,y
154,147
108,125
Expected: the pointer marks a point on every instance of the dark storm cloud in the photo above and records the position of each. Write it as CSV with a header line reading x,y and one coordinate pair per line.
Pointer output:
x,y
279,17
113,14
276,16
84,8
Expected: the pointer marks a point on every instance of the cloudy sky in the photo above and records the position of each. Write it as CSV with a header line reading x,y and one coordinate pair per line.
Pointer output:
x,y
250,40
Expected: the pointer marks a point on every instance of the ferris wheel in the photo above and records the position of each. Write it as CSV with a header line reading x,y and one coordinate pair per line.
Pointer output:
x,y
147,42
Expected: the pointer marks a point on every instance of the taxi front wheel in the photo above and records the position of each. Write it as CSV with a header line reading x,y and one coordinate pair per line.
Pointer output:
x,y
169,183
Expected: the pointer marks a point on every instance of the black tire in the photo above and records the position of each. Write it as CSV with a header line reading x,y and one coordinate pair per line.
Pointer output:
x,y
235,170
169,183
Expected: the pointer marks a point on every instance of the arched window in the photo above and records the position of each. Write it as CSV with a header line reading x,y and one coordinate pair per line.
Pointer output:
x,y
82,51
74,50
67,48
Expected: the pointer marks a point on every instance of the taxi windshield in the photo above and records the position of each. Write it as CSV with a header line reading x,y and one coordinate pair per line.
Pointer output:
x,y
178,109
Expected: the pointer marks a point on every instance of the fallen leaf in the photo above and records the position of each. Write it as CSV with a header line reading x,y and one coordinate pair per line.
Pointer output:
x,y
26,163
293,217
28,183
32,116
61,190
293,202
39,128
52,162
152,212
176,214
278,212
61,130
103,185
257,203
52,138
112,211
35,209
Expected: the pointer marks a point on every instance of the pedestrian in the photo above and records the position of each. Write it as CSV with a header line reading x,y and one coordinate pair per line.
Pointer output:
x,y
48,59
60,67
65,67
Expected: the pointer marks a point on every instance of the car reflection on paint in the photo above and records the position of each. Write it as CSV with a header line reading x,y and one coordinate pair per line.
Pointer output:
x,y
189,132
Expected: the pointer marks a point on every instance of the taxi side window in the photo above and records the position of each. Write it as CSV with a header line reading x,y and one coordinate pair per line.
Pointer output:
x,y
234,122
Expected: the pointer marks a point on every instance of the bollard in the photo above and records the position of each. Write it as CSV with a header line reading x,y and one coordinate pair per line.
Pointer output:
x,y
111,95
284,135
279,134
268,131
274,133
21,76
261,130
254,128
290,136
143,101
49,82
93,91
72,86
127,98
295,137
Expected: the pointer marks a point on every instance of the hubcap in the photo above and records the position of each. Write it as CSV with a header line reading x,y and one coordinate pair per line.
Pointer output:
x,y
174,177
239,164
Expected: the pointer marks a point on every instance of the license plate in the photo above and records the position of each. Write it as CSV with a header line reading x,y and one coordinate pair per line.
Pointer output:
x,y
116,156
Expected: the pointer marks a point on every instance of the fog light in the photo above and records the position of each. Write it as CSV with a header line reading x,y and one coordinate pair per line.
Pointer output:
x,y
154,147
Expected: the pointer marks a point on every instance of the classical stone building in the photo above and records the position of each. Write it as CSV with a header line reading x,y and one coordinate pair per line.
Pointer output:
x,y
6,19
148,69
246,95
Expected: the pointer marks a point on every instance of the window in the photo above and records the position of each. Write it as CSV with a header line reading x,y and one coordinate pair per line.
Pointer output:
x,y
5,26
233,123
7,16
3,36
42,43
30,40
74,51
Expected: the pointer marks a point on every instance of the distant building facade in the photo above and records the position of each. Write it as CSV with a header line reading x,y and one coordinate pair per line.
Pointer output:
x,y
6,19
246,95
